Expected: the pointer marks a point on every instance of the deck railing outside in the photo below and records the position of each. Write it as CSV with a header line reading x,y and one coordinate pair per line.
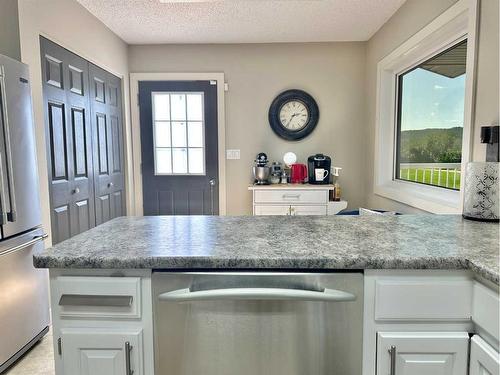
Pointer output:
x,y
437,174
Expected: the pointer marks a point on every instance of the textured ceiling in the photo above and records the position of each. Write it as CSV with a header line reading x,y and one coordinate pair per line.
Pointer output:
x,y
242,21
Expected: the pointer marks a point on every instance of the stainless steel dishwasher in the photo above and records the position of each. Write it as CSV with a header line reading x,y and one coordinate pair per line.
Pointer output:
x,y
258,323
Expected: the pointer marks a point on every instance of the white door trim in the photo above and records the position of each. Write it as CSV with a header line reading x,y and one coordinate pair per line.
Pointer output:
x,y
135,78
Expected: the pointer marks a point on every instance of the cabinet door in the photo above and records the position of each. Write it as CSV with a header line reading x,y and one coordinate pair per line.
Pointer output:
x,y
417,353
308,210
484,360
100,352
271,210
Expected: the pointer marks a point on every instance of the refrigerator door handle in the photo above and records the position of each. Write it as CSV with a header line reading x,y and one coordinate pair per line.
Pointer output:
x,y
12,215
33,241
3,108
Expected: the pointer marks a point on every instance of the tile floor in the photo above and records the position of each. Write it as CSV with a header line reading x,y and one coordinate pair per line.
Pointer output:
x,y
38,361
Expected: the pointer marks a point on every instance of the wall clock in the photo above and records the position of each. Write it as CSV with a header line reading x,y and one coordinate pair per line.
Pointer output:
x,y
293,115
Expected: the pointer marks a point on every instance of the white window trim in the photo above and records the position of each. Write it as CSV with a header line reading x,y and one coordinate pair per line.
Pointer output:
x,y
456,23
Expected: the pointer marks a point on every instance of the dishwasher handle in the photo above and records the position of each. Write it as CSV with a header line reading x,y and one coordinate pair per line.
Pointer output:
x,y
280,294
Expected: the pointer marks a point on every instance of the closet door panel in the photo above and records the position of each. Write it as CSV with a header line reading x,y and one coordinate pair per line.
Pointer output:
x,y
68,140
108,144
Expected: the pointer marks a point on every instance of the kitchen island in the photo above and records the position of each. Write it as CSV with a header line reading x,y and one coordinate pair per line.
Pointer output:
x,y
163,295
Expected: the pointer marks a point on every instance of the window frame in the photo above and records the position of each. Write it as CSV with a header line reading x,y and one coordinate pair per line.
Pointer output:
x,y
450,28
187,121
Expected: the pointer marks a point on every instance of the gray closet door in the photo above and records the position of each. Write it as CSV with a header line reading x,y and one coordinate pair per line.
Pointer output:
x,y
105,98
69,143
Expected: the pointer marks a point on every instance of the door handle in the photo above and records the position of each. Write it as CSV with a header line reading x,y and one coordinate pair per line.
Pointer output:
x,y
128,349
212,183
12,215
34,240
75,190
110,185
392,353
281,294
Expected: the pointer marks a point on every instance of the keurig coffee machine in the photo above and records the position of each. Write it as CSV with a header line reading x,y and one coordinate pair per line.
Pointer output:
x,y
319,169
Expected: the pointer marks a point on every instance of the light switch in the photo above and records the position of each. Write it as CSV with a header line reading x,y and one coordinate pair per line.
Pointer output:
x,y
232,154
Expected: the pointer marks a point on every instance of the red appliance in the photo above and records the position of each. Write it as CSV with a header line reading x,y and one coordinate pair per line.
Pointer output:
x,y
298,173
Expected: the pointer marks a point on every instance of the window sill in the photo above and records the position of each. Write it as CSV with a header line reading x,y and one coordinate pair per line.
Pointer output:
x,y
428,198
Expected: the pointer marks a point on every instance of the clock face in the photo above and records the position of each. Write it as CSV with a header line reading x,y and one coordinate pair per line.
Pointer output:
x,y
294,115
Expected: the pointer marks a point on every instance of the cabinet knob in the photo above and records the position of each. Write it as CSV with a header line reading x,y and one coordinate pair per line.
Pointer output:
x,y
75,191
110,185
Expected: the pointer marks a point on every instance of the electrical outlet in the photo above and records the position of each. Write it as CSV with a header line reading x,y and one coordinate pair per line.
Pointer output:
x,y
233,154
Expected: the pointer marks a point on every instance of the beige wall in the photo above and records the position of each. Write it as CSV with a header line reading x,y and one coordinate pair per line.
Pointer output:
x,y
69,24
408,20
487,99
333,73
9,29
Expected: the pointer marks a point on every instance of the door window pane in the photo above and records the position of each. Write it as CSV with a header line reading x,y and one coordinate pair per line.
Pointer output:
x,y
161,104
194,107
179,160
162,134
179,134
196,160
163,162
179,145
431,118
178,104
195,134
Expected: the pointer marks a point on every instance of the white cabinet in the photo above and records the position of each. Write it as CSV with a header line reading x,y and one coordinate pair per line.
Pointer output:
x,y
484,360
294,199
100,352
418,353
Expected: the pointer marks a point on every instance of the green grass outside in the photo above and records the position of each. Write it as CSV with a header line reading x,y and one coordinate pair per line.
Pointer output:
x,y
424,176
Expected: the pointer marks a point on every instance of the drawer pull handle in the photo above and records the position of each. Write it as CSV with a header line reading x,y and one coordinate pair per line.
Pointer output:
x,y
392,353
291,196
96,301
128,349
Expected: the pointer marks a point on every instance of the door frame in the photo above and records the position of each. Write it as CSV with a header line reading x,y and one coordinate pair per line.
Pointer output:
x,y
135,78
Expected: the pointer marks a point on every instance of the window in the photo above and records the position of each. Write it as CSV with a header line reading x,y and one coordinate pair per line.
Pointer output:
x,y
430,120
425,93
178,121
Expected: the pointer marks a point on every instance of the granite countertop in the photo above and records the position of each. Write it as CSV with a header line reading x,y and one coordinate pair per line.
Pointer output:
x,y
284,242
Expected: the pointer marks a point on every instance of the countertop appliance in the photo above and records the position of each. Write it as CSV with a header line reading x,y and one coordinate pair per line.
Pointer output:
x,y
247,323
319,169
261,170
24,312
298,173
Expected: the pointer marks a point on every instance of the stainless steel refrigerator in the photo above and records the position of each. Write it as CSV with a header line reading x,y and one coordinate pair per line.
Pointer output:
x,y
24,312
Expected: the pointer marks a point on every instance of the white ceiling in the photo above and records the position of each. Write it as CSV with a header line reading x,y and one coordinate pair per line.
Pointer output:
x,y
242,21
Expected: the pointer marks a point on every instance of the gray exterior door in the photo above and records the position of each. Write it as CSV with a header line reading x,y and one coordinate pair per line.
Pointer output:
x,y
109,178
179,147
69,142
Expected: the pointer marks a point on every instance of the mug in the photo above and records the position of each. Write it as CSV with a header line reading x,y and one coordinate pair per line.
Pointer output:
x,y
320,174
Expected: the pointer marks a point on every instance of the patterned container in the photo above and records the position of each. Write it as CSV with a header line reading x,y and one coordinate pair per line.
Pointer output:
x,y
482,191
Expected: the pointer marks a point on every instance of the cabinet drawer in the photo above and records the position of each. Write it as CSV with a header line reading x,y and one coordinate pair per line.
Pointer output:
x,y
98,297
485,309
308,210
423,299
271,210
291,196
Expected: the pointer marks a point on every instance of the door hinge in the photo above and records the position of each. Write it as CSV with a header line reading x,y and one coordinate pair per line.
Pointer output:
x,y
59,346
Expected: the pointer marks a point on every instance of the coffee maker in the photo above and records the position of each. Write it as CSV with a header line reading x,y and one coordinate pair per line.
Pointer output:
x,y
319,169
